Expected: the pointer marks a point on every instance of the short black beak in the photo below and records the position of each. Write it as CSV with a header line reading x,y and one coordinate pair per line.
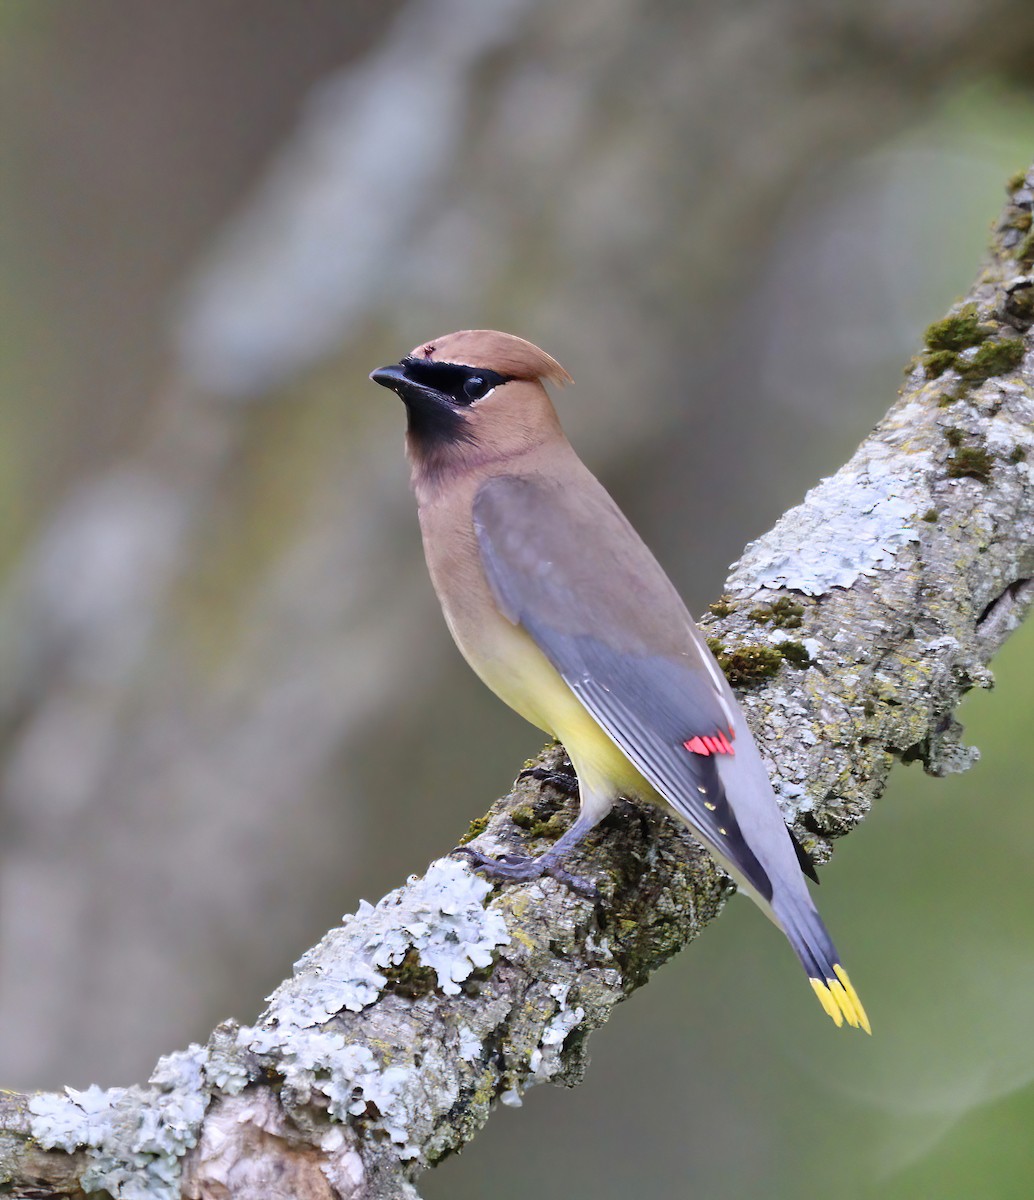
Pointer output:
x,y
393,377
433,415
398,379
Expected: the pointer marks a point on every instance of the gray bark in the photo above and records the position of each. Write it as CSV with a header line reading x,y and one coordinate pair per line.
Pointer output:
x,y
185,649
854,627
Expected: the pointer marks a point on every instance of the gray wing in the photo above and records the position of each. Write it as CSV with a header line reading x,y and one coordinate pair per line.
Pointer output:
x,y
564,564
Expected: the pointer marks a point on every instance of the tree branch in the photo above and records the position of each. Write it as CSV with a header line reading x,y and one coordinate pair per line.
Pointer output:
x,y
852,631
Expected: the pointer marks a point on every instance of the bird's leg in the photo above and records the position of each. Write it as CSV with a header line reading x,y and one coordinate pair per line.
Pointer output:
x,y
520,869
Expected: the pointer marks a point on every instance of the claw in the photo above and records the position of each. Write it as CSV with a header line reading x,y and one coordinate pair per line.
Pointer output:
x,y
566,785
577,883
516,868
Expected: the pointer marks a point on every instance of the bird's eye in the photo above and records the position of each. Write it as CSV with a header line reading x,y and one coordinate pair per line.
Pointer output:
x,y
476,386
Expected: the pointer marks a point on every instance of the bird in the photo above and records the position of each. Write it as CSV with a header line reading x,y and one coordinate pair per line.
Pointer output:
x,y
561,609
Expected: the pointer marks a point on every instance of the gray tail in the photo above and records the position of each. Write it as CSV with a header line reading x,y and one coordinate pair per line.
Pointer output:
x,y
812,944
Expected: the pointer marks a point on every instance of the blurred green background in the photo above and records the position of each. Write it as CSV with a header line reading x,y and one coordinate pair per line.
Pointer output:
x,y
228,706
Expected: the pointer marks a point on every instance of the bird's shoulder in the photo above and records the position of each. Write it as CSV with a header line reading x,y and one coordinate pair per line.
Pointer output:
x,y
556,547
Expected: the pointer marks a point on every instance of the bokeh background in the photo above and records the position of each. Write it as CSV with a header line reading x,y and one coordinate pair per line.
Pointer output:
x,y
228,706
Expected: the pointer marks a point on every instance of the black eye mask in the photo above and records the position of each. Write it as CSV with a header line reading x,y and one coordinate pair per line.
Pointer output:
x,y
463,385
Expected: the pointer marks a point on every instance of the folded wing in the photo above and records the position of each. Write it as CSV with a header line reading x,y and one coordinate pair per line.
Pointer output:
x,y
564,564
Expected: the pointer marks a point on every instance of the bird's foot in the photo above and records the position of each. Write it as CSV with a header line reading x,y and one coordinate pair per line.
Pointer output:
x,y
566,785
520,868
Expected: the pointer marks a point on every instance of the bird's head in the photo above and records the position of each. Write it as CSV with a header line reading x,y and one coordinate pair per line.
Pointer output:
x,y
473,396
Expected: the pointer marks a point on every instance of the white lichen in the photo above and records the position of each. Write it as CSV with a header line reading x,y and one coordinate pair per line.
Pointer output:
x,y
793,799
443,920
441,917
226,1071
545,1060
470,1044
333,983
450,928
133,1137
851,524
348,1076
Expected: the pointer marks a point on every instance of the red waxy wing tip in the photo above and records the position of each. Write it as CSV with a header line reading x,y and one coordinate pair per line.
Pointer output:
x,y
716,744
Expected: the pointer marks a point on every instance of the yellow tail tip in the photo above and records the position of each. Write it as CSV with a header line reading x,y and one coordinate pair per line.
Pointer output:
x,y
840,1001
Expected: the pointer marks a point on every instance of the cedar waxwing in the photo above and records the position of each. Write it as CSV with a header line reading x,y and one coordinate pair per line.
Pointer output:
x,y
563,612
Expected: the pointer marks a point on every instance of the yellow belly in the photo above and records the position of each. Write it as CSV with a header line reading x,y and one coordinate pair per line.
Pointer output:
x,y
507,660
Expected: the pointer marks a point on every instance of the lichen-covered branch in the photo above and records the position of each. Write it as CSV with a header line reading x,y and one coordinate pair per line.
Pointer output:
x,y
852,629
